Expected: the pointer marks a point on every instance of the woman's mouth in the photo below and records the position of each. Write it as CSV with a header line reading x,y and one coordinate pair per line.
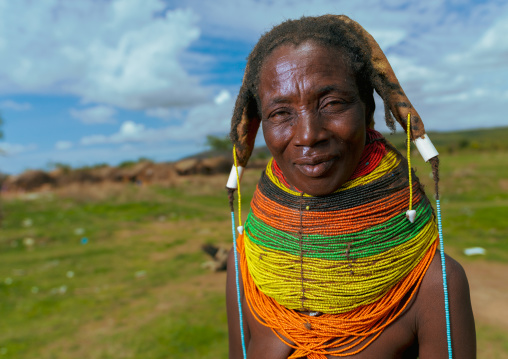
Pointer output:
x,y
315,167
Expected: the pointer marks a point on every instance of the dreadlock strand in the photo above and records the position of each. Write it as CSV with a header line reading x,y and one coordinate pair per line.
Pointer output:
x,y
390,122
231,198
434,162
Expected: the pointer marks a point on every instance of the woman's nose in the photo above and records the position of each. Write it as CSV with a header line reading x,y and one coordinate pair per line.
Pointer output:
x,y
309,130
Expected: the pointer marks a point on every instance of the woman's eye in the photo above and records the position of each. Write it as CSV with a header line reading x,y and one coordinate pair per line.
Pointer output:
x,y
334,103
279,115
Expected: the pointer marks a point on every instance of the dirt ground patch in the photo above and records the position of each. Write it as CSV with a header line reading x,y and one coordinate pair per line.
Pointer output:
x,y
489,292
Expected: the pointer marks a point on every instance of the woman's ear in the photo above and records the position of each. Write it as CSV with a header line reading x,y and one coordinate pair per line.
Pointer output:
x,y
246,131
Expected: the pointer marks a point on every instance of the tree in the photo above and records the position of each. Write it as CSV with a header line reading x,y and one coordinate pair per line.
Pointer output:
x,y
218,143
1,184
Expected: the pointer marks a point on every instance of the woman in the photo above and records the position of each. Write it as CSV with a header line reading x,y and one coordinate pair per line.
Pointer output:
x,y
329,264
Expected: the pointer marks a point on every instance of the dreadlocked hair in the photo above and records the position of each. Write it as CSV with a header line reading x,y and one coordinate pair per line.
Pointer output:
x,y
364,56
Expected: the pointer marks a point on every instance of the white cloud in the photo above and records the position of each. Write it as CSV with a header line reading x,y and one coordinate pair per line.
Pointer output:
x,y
210,117
94,115
165,113
130,129
94,140
116,52
387,38
222,97
63,145
407,70
16,106
248,19
490,50
11,149
129,132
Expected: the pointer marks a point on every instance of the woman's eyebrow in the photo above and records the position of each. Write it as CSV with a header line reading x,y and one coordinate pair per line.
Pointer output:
x,y
333,88
319,92
277,100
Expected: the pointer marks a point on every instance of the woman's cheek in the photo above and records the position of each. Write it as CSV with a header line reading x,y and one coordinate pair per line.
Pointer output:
x,y
277,136
349,128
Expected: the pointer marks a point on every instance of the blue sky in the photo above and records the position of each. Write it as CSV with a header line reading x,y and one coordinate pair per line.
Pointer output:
x,y
86,82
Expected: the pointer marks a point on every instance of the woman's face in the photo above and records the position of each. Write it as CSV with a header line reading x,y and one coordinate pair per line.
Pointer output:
x,y
313,119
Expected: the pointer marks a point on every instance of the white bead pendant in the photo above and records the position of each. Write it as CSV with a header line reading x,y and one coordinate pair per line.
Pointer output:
x,y
411,215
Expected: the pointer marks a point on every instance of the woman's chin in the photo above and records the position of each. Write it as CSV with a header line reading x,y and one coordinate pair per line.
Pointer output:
x,y
320,186
309,182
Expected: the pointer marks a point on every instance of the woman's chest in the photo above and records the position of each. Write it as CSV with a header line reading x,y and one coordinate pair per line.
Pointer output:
x,y
396,341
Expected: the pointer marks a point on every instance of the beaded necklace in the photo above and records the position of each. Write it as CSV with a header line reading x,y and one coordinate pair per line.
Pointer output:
x,y
351,255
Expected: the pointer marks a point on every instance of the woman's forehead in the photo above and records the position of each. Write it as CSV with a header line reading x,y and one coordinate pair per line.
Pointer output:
x,y
289,50
304,67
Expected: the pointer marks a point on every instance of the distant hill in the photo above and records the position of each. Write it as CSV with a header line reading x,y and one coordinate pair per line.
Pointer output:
x,y
211,162
449,142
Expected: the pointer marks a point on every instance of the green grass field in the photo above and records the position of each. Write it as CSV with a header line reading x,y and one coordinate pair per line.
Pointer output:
x,y
136,287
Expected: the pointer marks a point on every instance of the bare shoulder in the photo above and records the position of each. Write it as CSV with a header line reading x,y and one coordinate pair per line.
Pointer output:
x,y
432,283
431,314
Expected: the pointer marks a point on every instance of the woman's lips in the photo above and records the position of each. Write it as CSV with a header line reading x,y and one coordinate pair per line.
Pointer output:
x,y
315,168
